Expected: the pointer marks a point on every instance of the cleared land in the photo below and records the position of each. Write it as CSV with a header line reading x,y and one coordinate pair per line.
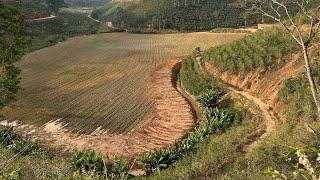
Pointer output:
x,y
99,81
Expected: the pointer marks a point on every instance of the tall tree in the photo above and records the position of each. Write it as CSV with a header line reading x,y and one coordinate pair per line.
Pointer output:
x,y
280,11
12,43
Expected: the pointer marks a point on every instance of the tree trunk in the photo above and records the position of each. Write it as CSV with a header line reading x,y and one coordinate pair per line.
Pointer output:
x,y
313,87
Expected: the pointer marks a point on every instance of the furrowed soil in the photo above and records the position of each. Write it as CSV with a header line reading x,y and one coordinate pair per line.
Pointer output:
x,y
172,119
99,81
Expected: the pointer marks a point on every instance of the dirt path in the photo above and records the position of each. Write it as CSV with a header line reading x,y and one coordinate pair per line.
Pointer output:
x,y
42,19
96,20
170,122
266,110
269,117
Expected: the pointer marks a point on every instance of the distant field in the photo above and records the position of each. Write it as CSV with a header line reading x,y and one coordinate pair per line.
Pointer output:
x,y
99,80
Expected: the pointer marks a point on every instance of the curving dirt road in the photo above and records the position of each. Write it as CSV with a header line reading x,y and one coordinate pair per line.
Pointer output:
x,y
266,110
269,117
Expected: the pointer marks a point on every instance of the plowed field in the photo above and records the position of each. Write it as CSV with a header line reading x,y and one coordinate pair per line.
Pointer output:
x,y
99,81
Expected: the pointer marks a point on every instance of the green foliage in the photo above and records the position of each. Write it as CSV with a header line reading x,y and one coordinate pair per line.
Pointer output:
x,y
303,161
86,3
7,136
194,81
178,14
87,161
209,98
217,120
296,95
55,5
261,50
12,43
228,30
13,175
10,140
90,162
24,147
67,24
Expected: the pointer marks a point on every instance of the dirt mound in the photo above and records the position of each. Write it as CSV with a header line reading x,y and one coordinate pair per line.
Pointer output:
x,y
171,121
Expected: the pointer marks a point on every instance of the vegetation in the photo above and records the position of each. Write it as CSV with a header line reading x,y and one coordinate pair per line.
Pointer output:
x,y
177,14
12,43
302,164
209,98
23,159
295,94
261,50
194,81
67,24
86,3
229,30
304,38
91,163
214,140
164,158
98,64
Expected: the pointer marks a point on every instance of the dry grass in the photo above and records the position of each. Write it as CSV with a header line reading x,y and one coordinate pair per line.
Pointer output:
x,y
99,80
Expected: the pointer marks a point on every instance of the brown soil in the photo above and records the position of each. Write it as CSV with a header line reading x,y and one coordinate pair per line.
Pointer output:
x,y
261,88
264,85
171,121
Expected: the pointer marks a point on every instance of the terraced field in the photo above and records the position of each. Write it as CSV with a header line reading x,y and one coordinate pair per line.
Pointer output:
x,y
99,81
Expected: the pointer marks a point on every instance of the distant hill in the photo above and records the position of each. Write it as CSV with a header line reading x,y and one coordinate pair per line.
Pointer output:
x,y
86,3
176,14
33,9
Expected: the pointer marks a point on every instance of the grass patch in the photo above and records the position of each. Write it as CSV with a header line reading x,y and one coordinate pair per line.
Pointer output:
x,y
261,50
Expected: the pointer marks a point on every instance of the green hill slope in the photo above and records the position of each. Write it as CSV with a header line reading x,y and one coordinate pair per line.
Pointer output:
x,y
86,3
177,14
32,9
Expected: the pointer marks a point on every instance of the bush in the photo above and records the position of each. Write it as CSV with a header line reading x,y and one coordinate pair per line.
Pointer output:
x,y
219,119
7,136
24,147
86,162
209,98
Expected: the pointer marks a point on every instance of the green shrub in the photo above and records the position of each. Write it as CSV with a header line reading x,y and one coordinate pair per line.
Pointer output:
x,y
7,136
87,161
219,119
24,147
209,98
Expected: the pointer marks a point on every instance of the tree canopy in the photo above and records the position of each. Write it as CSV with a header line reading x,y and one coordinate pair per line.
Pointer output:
x,y
12,43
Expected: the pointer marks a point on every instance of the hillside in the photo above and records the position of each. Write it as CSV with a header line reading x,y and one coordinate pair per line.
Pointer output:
x,y
177,14
31,9
86,3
